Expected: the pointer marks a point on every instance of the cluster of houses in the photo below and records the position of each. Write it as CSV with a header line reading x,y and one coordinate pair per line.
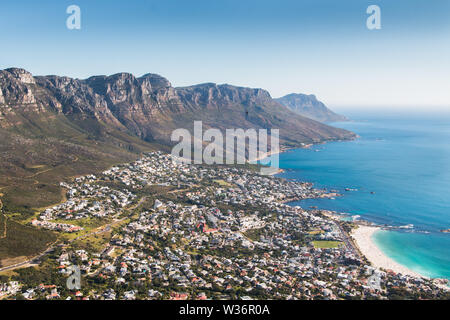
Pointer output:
x,y
9,288
62,227
229,235
85,199
12,288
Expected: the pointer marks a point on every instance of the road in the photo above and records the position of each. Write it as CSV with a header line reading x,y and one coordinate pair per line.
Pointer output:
x,y
21,264
348,242
35,258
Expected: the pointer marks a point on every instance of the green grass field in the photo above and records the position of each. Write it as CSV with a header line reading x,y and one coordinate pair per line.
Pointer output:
x,y
326,244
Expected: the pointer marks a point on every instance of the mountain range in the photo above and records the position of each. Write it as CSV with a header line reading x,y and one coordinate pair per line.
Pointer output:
x,y
55,127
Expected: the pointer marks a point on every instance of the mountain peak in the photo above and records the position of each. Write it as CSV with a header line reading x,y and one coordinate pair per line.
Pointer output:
x,y
21,74
308,106
156,81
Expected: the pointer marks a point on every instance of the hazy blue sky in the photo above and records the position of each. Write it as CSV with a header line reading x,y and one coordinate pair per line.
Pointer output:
x,y
314,46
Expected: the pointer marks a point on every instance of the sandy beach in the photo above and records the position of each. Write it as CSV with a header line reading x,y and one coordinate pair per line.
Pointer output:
x,y
263,155
363,238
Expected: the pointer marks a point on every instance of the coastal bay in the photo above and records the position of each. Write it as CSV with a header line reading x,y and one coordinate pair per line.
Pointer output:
x,y
394,176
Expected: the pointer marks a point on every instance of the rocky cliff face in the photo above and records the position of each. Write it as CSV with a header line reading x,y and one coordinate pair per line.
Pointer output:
x,y
308,106
17,87
150,108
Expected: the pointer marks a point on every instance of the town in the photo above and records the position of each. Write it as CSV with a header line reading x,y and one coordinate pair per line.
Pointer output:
x,y
159,228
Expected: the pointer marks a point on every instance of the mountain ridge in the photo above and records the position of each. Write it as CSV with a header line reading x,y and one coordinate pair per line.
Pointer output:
x,y
309,106
141,105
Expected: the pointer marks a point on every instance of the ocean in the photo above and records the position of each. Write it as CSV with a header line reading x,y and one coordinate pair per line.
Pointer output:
x,y
399,174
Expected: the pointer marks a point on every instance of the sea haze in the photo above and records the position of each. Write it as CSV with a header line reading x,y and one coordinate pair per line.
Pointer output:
x,y
400,167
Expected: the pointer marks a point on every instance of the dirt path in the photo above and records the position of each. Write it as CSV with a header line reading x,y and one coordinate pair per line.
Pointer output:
x,y
38,173
49,169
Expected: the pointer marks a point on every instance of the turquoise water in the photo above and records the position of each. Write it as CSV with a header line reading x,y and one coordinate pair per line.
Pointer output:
x,y
400,169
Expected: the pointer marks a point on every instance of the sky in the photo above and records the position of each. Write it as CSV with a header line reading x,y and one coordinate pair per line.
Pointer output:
x,y
320,47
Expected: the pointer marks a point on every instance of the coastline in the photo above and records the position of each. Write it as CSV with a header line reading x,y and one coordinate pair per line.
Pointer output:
x,y
365,243
363,240
362,237
264,155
